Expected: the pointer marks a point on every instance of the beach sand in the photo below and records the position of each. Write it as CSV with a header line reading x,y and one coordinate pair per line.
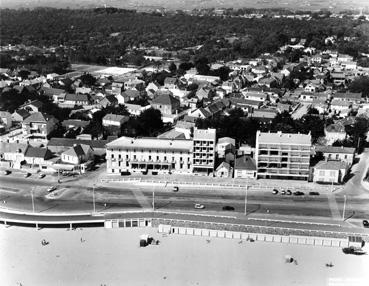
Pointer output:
x,y
113,257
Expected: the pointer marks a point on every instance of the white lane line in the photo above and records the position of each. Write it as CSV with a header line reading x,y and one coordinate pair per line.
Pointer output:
x,y
334,207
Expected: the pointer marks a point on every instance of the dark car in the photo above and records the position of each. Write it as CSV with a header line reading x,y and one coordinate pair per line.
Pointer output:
x,y
298,193
275,191
314,194
289,192
365,223
228,208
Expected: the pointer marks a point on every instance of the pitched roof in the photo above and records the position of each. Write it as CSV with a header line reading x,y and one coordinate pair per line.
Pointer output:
x,y
76,151
226,140
35,103
69,142
335,149
331,165
165,99
76,97
75,123
115,117
336,127
37,152
23,113
170,80
223,165
245,163
348,95
38,117
6,147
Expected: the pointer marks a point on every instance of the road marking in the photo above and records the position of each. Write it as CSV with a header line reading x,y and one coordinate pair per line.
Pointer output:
x,y
141,199
297,222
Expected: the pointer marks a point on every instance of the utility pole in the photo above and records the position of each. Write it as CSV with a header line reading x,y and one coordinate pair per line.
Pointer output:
x,y
344,207
246,200
33,202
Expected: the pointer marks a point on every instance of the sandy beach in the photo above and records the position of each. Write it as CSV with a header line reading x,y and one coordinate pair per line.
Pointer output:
x,y
109,257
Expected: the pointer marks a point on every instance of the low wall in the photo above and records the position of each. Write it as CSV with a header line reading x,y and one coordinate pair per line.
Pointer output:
x,y
292,239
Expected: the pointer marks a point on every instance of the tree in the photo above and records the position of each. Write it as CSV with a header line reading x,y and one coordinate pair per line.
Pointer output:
x,y
202,65
360,84
283,122
150,122
172,68
88,79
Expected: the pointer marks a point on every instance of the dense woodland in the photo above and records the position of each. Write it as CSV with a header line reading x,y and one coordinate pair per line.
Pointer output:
x,y
106,36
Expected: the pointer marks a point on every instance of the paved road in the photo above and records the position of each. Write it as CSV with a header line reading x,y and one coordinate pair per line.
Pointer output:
x,y
69,198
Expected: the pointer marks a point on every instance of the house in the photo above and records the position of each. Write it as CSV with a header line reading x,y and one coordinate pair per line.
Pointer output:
x,y
5,120
339,78
38,125
75,123
55,94
225,145
265,116
32,106
19,115
136,84
83,90
203,92
352,97
76,99
334,132
116,88
37,155
215,108
340,107
224,170
128,95
170,82
345,154
136,109
199,113
245,167
108,100
172,134
330,172
13,153
245,104
166,103
77,154
152,87
255,96
114,120
59,145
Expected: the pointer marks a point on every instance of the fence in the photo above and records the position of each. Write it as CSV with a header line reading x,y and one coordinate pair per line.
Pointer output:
x,y
292,239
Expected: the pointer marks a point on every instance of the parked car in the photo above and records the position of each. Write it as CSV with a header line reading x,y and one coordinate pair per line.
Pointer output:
x,y
5,172
175,189
283,193
288,192
275,191
228,208
42,175
199,206
298,193
365,223
51,189
314,194
26,175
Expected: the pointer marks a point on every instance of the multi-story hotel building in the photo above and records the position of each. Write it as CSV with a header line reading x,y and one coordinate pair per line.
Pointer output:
x,y
204,142
149,155
282,155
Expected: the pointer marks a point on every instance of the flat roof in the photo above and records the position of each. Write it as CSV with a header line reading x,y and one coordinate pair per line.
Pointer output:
x,y
151,143
284,138
204,134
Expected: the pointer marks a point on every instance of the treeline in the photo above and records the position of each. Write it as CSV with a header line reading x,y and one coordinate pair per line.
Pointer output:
x,y
106,35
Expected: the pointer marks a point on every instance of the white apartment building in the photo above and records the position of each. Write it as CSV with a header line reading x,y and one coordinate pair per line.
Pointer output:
x,y
145,155
204,145
282,155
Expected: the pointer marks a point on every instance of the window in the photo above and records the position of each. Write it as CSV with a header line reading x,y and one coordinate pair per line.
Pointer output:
x,y
346,156
150,157
321,173
332,173
337,156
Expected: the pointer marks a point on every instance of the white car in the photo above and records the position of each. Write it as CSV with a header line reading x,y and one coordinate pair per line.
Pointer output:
x,y
199,206
41,175
53,188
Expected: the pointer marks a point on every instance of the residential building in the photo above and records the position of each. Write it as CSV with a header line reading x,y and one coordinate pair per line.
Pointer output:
x,y
330,172
76,99
225,145
108,100
345,154
5,120
256,96
59,145
114,120
170,82
158,155
19,115
38,125
282,155
204,143
37,156
166,103
136,109
245,167
13,153
32,106
224,170
77,154
75,123
116,88
352,97
334,132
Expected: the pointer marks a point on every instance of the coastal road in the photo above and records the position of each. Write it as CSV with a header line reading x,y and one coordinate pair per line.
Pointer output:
x,y
15,193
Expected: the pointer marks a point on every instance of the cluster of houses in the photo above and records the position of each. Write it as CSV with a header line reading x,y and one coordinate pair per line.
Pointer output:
x,y
254,85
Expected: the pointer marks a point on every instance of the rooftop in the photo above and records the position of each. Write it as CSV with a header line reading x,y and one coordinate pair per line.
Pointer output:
x,y
335,149
283,138
331,165
151,144
204,134
245,163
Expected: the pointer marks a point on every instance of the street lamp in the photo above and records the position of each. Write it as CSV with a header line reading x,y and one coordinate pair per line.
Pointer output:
x,y
344,207
153,200
33,202
246,200
93,197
